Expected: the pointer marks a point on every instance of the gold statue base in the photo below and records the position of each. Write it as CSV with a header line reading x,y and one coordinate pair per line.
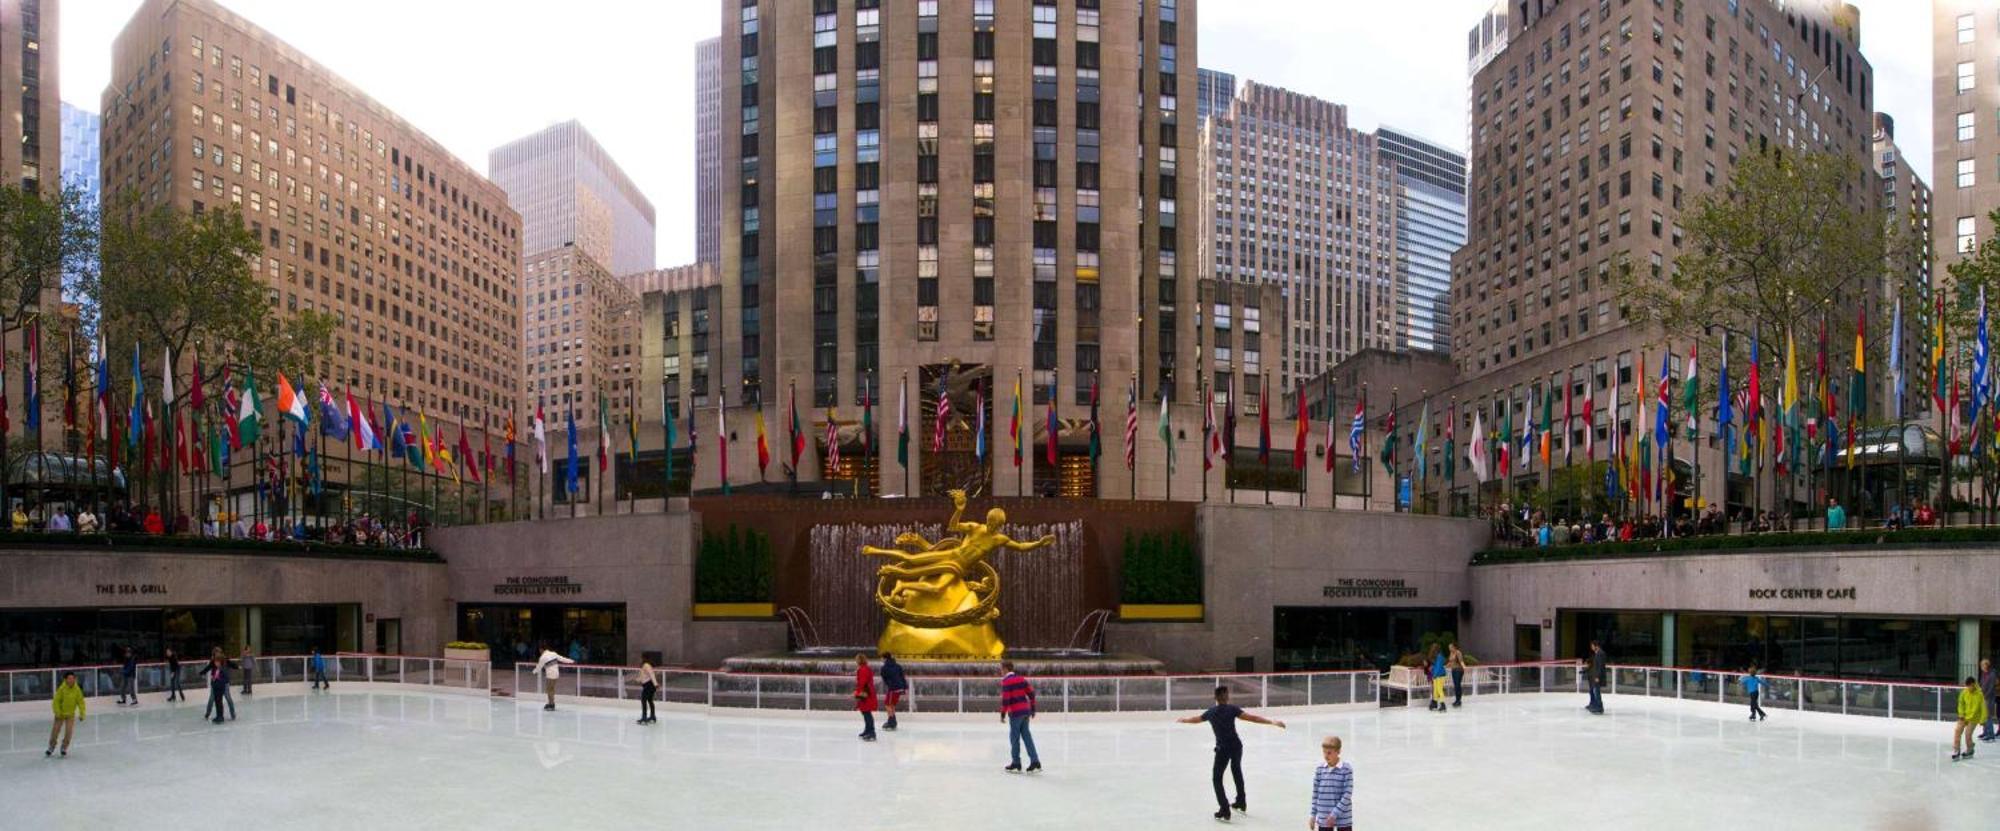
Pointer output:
x,y
972,641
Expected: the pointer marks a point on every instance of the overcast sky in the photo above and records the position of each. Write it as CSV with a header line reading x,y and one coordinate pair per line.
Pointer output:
x,y
626,69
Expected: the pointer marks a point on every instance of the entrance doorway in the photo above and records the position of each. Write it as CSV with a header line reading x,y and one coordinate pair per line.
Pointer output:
x,y
1527,642
388,636
586,633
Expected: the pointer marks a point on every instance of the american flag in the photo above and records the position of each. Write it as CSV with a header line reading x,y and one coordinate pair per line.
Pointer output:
x,y
1131,427
943,414
832,441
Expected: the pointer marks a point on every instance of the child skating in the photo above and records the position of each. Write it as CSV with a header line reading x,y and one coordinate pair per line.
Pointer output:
x,y
69,709
1333,789
1971,713
1753,686
1228,748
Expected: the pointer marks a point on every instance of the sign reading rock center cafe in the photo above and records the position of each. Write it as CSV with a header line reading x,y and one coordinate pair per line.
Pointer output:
x,y
1804,593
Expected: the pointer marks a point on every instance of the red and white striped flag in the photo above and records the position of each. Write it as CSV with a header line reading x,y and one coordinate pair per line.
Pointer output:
x,y
832,441
943,415
1132,426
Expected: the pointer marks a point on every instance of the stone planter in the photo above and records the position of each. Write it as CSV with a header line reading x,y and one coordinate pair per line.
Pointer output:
x,y
738,611
480,655
1175,612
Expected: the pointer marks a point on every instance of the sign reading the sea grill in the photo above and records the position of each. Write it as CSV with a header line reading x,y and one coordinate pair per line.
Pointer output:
x,y
559,584
1369,587
1804,593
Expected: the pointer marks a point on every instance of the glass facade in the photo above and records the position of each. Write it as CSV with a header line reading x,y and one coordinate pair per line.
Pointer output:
x,y
68,637
1912,649
1628,637
587,633
1313,638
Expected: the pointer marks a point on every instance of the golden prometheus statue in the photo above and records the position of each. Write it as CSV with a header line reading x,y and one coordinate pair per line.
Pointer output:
x,y
942,597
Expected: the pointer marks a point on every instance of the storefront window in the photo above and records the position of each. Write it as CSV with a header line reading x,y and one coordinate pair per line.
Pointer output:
x,y
591,634
71,637
1329,639
1628,637
1844,647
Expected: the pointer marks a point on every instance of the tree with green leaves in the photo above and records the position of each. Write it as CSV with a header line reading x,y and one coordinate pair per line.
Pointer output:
x,y
45,239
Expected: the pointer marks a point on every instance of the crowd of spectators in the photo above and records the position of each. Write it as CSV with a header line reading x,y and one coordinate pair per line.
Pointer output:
x,y
128,518
1525,527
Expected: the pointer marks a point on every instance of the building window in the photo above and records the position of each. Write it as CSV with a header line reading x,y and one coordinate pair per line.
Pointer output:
x,y
1965,76
1966,174
1966,235
1965,126
1965,28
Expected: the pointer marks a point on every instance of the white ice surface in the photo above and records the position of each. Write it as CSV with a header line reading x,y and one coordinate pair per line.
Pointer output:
x,y
373,760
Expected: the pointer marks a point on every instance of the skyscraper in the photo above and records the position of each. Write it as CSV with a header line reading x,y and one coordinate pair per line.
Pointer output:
x,y
1301,199
1213,91
1965,135
361,214
1906,206
569,190
30,62
80,139
957,192
1430,227
708,151
1595,131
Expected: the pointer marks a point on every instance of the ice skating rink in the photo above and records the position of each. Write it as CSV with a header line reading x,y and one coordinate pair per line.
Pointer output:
x,y
392,759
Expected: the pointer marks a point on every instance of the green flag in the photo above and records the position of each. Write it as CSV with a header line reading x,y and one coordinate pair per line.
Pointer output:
x,y
249,413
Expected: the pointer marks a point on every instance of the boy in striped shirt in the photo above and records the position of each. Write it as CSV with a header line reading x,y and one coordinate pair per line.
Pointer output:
x,y
1333,789
1017,707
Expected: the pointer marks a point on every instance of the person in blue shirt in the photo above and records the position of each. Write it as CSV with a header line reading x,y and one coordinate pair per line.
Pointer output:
x,y
1753,686
317,666
1333,789
1435,668
1543,535
128,679
894,685
1836,516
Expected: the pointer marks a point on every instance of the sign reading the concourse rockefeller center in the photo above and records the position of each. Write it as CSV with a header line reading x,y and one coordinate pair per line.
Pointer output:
x,y
559,584
1369,587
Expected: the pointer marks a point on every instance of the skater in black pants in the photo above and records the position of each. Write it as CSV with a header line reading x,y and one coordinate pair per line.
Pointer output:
x,y
1593,674
1456,663
249,667
1228,748
1753,686
218,688
649,686
894,684
128,679
174,690
317,666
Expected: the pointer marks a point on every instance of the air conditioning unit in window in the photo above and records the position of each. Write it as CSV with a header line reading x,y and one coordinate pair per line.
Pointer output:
x,y
927,330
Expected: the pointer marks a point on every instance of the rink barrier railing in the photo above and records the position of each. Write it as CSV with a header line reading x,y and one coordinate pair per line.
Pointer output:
x,y
102,680
960,694
1801,693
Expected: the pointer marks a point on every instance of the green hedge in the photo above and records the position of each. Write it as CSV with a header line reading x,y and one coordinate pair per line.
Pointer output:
x,y
1737,542
215,545
1160,568
733,567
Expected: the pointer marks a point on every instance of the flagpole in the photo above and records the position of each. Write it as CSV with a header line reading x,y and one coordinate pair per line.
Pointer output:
x,y
1201,394
1131,413
1020,457
1167,442
1331,395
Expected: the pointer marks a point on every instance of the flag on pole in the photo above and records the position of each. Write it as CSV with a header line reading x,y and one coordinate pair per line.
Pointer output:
x,y
1264,423
1506,437
1691,393
1332,428
1166,432
1132,426
1422,445
1096,437
1229,426
1589,416
1724,416
603,433
332,418
1896,359
979,423
721,443
1451,445
569,465
291,404
1390,437
1661,429
249,414
1476,448
763,443
832,442
538,428
1857,388
797,434
903,422
136,423
943,414
1053,428
1357,431
465,458
34,391
510,450
365,438
1938,373
1211,438
1300,423
867,421
69,382
667,428
1548,420
1014,421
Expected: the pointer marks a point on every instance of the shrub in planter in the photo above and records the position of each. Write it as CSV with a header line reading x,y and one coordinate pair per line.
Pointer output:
x,y
1160,569
733,566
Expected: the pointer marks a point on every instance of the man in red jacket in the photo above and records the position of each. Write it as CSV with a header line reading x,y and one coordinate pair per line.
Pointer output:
x,y
864,696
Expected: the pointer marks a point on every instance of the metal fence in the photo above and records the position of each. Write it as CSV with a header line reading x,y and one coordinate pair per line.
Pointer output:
x,y
106,679
1846,696
937,694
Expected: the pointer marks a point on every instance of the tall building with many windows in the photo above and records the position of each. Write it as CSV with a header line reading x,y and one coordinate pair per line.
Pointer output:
x,y
1906,206
1299,198
1595,129
1965,125
81,142
361,214
569,190
708,151
1430,227
573,333
31,109
1213,90
953,192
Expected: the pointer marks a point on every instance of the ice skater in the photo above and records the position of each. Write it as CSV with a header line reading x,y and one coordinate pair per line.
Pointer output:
x,y
249,667
649,686
1333,789
1228,748
1017,708
1971,713
68,705
864,696
174,690
1987,682
128,675
549,666
893,687
218,688
1434,667
1593,674
1456,663
1753,686
317,666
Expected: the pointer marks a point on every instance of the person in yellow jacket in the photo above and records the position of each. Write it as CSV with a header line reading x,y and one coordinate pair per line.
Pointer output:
x,y
1971,713
68,705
